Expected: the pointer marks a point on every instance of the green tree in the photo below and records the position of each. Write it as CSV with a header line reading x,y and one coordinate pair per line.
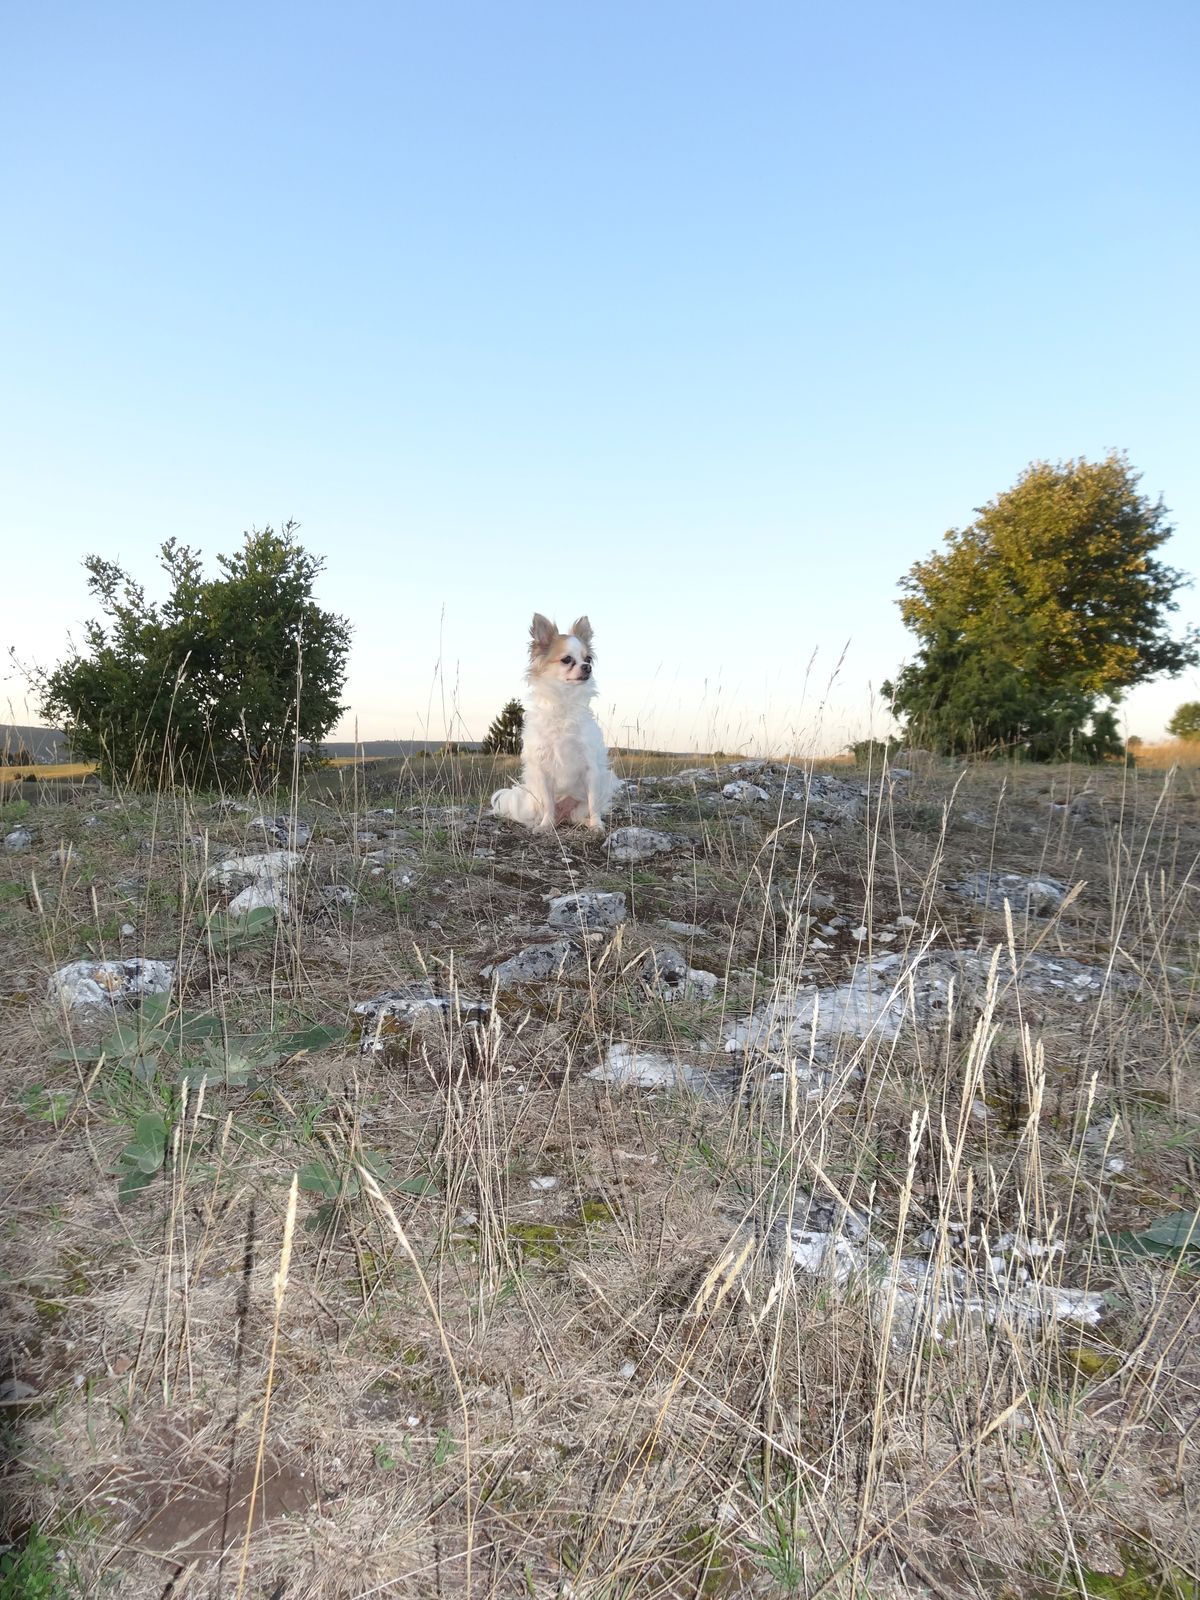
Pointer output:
x,y
1185,724
503,738
1035,618
219,683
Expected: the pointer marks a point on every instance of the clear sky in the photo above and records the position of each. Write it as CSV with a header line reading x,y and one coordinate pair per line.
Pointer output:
x,y
707,319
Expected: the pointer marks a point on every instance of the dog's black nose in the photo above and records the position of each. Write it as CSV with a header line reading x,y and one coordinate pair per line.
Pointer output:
x,y
587,671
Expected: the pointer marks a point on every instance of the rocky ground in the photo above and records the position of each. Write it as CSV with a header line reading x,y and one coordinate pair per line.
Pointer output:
x,y
791,1193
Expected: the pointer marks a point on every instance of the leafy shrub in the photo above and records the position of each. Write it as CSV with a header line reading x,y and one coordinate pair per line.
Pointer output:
x,y
1185,724
37,1569
218,684
872,752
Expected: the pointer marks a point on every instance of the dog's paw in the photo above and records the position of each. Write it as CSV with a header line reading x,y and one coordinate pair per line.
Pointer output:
x,y
596,826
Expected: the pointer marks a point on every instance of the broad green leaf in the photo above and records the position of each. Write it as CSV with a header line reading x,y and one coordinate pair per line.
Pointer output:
x,y
230,933
320,1037
376,1165
1179,1231
85,1052
316,1178
131,1184
200,1026
417,1186
128,1039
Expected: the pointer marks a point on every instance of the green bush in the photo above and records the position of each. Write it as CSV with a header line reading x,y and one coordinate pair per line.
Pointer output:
x,y
872,752
219,684
1185,724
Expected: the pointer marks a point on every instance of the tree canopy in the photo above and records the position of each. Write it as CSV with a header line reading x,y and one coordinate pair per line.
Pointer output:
x,y
1185,723
220,682
503,738
1034,619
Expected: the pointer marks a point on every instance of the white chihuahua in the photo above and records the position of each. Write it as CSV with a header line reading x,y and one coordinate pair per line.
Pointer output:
x,y
564,765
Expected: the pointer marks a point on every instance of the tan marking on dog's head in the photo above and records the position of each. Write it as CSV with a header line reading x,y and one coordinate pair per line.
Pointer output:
x,y
561,657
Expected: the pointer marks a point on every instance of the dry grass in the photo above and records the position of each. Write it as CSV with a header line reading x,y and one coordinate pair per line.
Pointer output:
x,y
1170,753
614,1385
49,769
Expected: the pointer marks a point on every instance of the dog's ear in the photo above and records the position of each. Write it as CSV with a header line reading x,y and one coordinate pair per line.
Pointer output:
x,y
542,633
582,629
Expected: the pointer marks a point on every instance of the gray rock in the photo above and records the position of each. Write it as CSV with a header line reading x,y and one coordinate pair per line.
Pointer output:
x,y
286,831
829,800
333,895
631,845
537,963
689,775
389,855
416,1007
586,911
18,839
930,1296
1037,896
666,971
223,809
664,964
787,1023
821,1237
84,985
268,894
630,1066
686,930
742,791
895,992
238,872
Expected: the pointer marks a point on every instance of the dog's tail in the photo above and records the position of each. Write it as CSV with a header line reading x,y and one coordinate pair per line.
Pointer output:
x,y
518,804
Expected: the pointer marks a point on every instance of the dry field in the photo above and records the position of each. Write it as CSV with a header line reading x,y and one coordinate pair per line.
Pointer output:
x,y
872,1273
57,770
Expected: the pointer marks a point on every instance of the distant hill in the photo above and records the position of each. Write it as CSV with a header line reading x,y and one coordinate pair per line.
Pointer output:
x,y
49,744
43,744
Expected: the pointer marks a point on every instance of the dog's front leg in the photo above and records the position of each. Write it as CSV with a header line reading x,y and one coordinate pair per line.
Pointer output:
x,y
543,792
594,820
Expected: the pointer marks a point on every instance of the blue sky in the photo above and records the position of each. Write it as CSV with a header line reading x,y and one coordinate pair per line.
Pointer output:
x,y
705,319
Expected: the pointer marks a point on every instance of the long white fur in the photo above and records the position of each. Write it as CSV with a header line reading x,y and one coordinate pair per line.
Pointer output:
x,y
565,775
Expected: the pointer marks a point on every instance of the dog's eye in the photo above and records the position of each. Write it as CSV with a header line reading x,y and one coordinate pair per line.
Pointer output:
x,y
568,661
587,661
